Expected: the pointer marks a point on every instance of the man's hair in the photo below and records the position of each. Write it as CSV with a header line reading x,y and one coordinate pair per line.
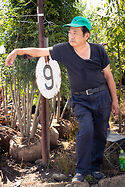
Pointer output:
x,y
84,30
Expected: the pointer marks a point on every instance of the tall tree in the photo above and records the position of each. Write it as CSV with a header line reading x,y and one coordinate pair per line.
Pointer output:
x,y
114,22
19,27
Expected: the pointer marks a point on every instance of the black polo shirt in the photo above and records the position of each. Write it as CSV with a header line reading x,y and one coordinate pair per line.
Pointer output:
x,y
83,74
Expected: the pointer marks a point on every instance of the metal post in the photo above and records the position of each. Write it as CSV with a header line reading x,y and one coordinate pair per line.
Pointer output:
x,y
45,154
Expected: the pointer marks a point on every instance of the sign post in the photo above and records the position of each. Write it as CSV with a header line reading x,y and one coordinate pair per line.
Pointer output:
x,y
45,154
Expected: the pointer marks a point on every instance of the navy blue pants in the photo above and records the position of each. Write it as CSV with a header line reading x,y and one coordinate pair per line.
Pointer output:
x,y
92,113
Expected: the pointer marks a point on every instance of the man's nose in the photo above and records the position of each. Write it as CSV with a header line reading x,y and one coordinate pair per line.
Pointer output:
x,y
71,35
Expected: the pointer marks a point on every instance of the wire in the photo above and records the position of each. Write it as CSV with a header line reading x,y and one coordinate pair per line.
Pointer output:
x,y
35,15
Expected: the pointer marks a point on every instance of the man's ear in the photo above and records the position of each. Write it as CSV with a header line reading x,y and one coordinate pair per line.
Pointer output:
x,y
87,35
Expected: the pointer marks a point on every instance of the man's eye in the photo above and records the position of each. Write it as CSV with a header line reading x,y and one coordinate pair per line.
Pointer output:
x,y
73,33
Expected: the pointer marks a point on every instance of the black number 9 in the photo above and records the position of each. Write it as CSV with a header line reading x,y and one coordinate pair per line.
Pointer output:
x,y
48,78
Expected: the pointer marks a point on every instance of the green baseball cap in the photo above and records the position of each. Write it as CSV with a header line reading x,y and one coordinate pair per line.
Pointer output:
x,y
79,21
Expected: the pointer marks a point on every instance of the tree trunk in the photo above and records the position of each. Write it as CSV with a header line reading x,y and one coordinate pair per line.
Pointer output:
x,y
13,118
58,107
35,121
4,103
64,109
120,87
54,106
25,114
14,99
29,107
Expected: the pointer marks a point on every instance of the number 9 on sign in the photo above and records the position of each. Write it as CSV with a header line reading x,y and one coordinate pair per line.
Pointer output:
x,y
48,77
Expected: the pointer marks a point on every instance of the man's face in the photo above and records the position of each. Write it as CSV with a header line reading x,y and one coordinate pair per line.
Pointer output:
x,y
76,37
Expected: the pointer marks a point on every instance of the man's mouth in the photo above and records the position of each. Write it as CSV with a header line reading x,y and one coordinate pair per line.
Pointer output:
x,y
72,41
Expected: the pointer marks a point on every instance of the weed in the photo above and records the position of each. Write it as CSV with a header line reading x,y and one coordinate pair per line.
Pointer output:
x,y
65,163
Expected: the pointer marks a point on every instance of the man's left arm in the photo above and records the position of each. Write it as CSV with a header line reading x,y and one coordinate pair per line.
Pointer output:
x,y
112,87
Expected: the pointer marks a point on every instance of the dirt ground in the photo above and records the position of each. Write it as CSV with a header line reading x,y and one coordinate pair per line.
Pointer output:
x,y
61,166
62,161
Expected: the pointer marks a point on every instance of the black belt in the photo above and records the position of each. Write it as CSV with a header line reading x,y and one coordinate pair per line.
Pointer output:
x,y
90,91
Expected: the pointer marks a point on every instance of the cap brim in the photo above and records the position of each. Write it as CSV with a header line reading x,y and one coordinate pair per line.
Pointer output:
x,y
73,25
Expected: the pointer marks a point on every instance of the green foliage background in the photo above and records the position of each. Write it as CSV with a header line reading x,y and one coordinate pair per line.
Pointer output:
x,y
19,28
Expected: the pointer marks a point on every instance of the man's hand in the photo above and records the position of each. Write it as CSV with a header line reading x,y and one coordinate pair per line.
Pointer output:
x,y
115,107
11,57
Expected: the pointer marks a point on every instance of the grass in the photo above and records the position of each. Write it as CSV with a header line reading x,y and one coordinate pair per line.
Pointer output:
x,y
65,163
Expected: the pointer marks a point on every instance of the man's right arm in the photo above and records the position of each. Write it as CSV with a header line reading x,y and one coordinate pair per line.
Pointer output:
x,y
33,52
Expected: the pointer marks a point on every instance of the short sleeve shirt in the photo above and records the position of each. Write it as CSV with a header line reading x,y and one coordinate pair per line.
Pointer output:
x,y
83,73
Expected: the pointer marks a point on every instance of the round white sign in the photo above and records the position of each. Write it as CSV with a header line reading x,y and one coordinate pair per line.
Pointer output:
x,y
48,77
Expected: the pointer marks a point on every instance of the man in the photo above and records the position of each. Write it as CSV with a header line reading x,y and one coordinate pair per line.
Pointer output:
x,y
93,92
